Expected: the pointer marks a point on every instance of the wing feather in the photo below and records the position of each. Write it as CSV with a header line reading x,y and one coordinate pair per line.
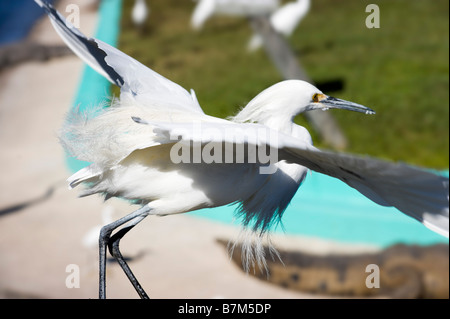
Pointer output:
x,y
418,193
137,81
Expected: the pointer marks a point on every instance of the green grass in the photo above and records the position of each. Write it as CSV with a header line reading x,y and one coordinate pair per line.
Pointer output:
x,y
399,70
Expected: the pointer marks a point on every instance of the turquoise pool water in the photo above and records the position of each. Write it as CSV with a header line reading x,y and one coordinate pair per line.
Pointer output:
x,y
94,88
327,208
323,207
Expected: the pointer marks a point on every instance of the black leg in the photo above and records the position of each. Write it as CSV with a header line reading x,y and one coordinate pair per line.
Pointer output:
x,y
104,239
113,246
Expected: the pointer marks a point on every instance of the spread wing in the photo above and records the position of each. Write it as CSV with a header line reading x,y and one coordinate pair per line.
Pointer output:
x,y
136,80
418,193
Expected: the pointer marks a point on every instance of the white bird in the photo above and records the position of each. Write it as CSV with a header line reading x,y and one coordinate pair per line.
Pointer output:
x,y
90,239
134,147
243,8
284,21
139,13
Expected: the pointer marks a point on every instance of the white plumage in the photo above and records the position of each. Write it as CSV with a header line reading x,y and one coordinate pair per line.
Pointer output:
x,y
131,143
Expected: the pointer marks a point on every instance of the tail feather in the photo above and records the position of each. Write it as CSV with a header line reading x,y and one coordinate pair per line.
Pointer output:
x,y
83,175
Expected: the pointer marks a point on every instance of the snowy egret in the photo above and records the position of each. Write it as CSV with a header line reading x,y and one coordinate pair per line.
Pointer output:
x,y
284,20
139,13
244,8
131,143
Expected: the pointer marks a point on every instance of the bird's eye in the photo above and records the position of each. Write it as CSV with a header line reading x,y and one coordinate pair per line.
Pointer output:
x,y
316,97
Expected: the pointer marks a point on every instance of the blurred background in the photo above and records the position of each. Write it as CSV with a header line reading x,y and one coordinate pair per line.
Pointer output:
x,y
330,234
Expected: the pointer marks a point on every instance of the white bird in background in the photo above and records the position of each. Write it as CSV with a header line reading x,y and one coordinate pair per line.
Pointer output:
x,y
285,20
133,147
90,239
244,8
139,13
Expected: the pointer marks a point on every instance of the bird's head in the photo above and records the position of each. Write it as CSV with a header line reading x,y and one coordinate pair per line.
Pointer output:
x,y
281,102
